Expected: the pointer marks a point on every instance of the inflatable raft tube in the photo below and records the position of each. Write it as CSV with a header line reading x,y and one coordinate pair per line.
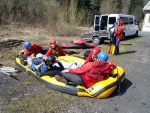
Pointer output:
x,y
102,89
77,46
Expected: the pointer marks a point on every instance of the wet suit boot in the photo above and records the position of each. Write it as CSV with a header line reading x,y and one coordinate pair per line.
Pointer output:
x,y
116,50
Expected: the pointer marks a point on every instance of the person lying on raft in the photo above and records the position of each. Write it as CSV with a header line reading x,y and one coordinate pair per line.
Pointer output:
x,y
91,72
91,55
55,49
44,67
31,49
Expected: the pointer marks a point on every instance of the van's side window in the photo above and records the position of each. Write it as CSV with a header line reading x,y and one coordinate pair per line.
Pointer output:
x,y
124,19
112,20
135,21
130,20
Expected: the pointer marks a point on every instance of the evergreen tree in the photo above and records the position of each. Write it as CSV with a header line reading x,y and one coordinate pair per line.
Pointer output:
x,y
135,9
134,4
86,9
118,6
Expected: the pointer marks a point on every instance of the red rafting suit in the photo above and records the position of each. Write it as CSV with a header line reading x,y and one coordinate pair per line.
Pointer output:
x,y
119,33
35,49
84,71
57,51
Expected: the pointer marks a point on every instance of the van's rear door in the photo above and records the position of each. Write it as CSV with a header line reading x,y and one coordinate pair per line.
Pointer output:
x,y
97,22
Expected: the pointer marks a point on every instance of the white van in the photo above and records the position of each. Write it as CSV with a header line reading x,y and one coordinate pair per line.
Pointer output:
x,y
104,22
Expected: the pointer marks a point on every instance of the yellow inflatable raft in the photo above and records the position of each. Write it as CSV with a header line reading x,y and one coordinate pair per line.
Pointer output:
x,y
102,89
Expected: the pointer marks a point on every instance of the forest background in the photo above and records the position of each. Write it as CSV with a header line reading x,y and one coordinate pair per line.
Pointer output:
x,y
60,15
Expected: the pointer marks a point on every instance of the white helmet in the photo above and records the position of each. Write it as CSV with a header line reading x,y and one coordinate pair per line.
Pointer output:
x,y
39,55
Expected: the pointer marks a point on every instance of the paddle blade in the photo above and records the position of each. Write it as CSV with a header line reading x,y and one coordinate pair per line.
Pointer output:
x,y
110,49
113,49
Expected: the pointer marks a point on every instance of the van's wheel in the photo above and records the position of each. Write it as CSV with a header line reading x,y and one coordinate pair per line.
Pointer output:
x,y
136,34
123,36
96,40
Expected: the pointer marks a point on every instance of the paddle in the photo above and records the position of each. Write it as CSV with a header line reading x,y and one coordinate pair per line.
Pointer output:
x,y
8,70
9,75
111,49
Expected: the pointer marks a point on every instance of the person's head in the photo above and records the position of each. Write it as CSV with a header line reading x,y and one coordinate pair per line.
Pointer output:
x,y
27,44
95,51
117,20
51,60
52,43
120,22
39,55
103,56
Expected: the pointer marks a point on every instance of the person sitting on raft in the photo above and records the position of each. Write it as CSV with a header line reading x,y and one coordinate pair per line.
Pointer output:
x,y
91,55
31,49
44,67
90,73
55,50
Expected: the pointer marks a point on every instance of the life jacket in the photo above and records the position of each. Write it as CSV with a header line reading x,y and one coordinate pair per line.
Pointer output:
x,y
41,69
97,73
37,61
56,52
119,32
120,29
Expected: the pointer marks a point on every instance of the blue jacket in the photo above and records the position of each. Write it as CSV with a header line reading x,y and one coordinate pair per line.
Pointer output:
x,y
37,61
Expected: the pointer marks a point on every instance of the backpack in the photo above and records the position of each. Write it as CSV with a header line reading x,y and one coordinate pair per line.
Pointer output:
x,y
103,69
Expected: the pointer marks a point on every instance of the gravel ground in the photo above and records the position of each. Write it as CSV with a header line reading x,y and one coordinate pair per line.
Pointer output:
x,y
31,96
136,98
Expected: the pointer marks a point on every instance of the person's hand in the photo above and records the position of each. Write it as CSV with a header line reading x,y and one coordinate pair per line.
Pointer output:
x,y
33,55
65,71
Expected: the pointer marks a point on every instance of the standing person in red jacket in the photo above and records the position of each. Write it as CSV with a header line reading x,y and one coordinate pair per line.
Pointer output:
x,y
93,55
84,75
55,49
119,36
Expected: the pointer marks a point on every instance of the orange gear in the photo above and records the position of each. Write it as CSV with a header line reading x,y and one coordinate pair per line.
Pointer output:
x,y
96,50
52,41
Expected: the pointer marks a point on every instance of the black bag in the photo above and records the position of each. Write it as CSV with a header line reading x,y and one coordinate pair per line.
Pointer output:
x,y
86,54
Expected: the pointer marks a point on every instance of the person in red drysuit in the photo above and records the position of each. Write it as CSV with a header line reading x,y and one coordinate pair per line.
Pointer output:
x,y
84,75
92,55
31,49
119,36
55,49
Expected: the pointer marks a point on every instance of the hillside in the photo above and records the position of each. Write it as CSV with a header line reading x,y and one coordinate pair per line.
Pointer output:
x,y
54,13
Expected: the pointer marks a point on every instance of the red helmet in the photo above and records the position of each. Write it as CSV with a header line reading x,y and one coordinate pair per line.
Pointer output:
x,y
120,22
52,41
96,50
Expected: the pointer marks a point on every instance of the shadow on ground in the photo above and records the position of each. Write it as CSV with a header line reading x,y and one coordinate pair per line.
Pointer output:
x,y
123,88
127,52
130,37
